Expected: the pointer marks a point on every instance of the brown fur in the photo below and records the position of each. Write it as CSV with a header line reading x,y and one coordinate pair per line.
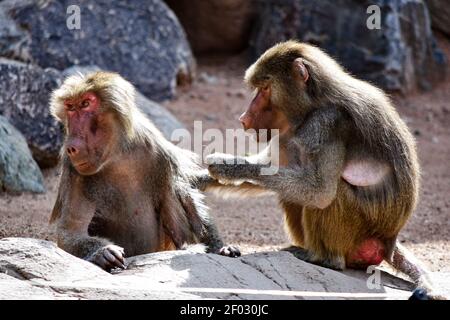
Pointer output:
x,y
334,120
141,197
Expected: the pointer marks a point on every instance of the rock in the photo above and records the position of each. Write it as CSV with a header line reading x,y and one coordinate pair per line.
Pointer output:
x,y
440,15
142,40
399,56
32,269
35,269
18,170
12,37
14,289
215,25
160,116
24,93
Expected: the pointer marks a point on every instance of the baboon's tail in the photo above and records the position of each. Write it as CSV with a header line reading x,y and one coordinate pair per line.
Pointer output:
x,y
403,260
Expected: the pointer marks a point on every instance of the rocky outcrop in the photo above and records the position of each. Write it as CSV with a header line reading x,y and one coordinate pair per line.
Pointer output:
x,y
440,15
399,56
160,116
18,170
36,269
24,93
141,39
215,25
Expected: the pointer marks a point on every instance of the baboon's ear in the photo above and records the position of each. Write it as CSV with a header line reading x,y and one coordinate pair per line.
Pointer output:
x,y
300,69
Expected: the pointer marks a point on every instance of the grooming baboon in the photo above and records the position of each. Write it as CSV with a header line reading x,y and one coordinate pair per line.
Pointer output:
x,y
348,177
123,186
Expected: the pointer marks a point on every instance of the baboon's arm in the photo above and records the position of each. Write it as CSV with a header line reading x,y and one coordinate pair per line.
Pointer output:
x,y
311,178
75,215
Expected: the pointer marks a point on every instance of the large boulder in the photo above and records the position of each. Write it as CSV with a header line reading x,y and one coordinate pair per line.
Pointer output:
x,y
18,170
399,56
24,93
141,39
440,15
215,25
160,116
34,269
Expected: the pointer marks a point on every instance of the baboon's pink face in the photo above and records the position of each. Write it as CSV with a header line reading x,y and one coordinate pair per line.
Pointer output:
x,y
263,114
87,133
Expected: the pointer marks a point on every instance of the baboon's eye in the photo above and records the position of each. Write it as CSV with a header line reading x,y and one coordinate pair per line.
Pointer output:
x,y
85,104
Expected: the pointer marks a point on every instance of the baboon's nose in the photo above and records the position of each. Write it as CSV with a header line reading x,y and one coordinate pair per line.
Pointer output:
x,y
74,146
72,151
244,119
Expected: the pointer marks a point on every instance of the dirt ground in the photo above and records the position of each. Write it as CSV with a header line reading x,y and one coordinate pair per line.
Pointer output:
x,y
217,98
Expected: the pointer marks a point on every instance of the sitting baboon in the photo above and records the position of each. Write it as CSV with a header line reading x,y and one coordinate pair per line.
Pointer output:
x,y
349,175
124,188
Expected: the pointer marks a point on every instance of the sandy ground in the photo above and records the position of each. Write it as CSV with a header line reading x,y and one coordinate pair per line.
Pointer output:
x,y
217,99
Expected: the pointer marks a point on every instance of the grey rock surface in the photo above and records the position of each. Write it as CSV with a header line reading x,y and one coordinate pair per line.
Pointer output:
x,y
18,170
24,93
140,39
215,25
400,56
163,119
35,269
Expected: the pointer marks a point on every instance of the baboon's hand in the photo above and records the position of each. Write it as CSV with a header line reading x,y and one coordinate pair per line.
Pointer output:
x,y
203,180
109,257
220,166
230,251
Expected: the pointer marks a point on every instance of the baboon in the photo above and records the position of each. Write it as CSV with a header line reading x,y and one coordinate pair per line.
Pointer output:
x,y
124,189
349,175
